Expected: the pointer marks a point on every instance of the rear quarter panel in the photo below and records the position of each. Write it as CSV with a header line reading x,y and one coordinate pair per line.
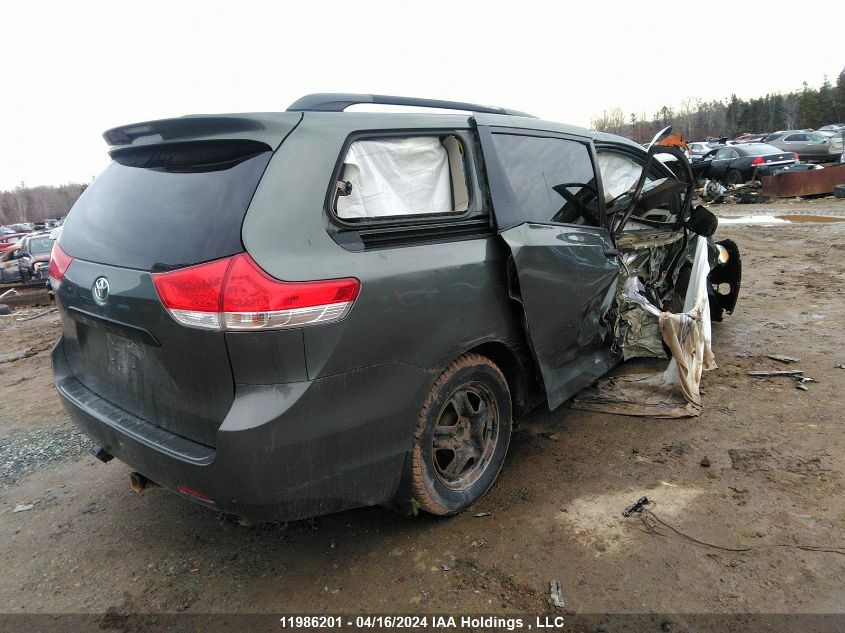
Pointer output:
x,y
423,304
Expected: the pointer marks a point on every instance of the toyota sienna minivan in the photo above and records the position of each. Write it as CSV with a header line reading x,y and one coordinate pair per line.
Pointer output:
x,y
280,315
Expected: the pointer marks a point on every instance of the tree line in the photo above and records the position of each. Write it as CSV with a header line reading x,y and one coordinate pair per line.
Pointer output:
x,y
698,120
31,204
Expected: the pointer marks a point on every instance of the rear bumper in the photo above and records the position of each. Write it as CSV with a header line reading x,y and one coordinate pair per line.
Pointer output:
x,y
768,168
283,452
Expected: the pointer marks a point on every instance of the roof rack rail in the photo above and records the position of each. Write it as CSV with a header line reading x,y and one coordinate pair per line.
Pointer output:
x,y
339,101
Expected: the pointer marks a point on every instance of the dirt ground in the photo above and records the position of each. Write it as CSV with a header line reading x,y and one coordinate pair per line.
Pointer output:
x,y
774,482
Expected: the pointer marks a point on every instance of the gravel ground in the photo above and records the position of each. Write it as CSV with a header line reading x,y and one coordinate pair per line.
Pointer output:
x,y
24,453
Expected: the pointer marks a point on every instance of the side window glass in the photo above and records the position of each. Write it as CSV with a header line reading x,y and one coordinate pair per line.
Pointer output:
x,y
552,179
402,177
796,137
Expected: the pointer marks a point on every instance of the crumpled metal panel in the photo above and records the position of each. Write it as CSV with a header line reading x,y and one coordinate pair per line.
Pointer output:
x,y
803,183
567,280
641,334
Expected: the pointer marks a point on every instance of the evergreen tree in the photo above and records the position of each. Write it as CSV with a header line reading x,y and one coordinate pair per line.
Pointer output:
x,y
808,107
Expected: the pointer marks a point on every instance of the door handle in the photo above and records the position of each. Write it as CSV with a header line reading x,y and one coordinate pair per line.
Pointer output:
x,y
611,252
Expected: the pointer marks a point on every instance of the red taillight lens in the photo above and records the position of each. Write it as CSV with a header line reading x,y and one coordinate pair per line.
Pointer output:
x,y
194,295
59,262
236,294
250,289
795,155
193,288
759,161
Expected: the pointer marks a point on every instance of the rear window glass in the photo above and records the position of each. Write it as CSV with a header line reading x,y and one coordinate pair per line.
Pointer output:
x,y
41,245
165,210
761,149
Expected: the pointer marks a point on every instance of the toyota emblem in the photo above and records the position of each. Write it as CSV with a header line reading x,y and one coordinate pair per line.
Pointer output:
x,y
101,290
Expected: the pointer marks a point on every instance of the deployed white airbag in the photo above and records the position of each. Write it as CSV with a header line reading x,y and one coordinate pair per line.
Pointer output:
x,y
397,176
618,174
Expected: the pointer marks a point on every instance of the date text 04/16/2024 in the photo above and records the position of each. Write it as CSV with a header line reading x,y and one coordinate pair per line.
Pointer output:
x,y
421,622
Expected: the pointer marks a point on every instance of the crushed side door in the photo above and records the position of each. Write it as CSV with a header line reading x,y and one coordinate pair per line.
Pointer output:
x,y
564,267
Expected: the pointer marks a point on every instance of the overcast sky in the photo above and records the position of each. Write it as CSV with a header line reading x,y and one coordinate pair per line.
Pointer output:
x,y
70,70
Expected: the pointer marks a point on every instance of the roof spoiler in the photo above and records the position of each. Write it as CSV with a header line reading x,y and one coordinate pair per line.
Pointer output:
x,y
269,128
339,101
184,127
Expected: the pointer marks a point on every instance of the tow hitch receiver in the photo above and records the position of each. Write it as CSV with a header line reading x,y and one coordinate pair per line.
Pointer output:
x,y
100,453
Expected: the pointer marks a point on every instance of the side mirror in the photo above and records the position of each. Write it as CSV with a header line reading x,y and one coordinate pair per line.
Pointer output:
x,y
702,222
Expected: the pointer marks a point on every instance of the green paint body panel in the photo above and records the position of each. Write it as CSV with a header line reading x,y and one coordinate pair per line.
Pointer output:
x,y
285,424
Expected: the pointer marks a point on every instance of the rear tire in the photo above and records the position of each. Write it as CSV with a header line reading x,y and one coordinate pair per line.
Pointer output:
x,y
839,191
734,177
462,436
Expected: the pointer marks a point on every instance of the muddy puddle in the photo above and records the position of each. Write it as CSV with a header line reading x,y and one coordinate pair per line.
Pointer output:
x,y
782,219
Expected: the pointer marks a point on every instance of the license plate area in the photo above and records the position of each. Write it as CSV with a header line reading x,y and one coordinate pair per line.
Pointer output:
x,y
100,323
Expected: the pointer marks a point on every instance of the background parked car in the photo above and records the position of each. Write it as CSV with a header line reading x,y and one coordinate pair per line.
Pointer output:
x,y
35,256
698,149
10,240
747,138
10,269
27,260
808,145
23,227
739,163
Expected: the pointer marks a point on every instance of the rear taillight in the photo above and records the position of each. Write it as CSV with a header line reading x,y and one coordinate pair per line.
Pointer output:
x,y
235,294
59,262
193,295
795,155
759,161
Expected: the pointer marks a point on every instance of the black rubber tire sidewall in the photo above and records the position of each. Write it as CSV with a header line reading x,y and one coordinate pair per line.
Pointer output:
x,y
446,500
731,180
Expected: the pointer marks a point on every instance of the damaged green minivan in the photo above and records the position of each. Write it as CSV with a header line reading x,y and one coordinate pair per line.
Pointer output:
x,y
280,315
